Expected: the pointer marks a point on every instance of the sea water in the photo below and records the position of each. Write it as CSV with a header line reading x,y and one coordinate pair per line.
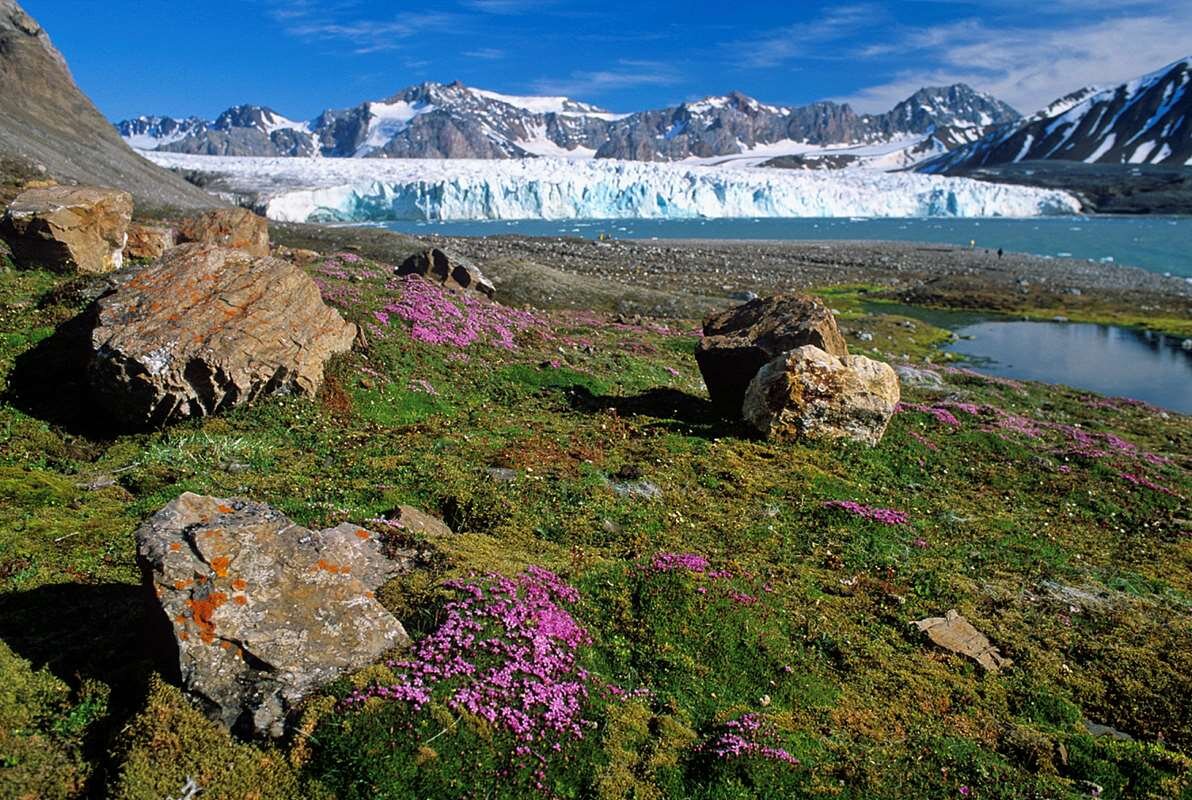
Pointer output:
x,y
1158,244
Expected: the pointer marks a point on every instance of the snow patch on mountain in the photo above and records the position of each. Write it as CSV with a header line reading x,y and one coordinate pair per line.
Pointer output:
x,y
355,190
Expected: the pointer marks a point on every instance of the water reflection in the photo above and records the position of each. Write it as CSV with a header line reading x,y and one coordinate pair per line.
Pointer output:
x,y
1101,358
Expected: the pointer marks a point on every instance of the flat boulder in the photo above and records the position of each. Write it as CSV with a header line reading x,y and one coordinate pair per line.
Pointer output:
x,y
451,270
739,342
263,611
237,228
810,394
149,242
954,633
206,328
79,229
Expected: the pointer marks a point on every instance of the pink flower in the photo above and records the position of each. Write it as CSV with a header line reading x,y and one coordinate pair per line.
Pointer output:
x,y
886,516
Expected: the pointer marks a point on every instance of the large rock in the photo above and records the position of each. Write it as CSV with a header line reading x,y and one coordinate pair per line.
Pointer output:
x,y
810,394
739,342
149,242
264,611
450,270
68,228
207,328
237,228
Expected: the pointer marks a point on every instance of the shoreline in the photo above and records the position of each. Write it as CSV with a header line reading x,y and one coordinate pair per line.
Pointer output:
x,y
687,278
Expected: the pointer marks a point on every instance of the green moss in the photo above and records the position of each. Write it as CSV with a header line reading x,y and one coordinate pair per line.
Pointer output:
x,y
169,744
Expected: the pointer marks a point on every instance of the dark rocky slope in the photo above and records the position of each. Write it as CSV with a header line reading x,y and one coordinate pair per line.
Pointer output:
x,y
48,127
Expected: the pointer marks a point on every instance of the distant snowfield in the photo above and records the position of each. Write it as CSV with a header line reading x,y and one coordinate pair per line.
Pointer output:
x,y
377,190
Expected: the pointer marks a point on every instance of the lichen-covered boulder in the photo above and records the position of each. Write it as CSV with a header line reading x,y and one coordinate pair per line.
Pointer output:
x,y
739,342
68,228
264,611
237,228
451,270
205,329
810,394
148,242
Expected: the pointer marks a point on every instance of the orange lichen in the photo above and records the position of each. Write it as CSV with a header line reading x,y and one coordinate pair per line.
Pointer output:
x,y
175,546
326,566
240,600
219,565
361,533
240,584
223,509
184,636
180,619
202,611
182,584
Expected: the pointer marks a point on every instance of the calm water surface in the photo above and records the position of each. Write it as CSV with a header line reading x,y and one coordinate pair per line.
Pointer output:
x,y
1120,362
1158,244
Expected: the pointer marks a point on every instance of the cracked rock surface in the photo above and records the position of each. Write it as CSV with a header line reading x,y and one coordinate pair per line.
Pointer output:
x,y
206,328
264,611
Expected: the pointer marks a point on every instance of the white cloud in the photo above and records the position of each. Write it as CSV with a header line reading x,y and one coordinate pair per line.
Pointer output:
x,y
624,74
806,39
1029,67
486,53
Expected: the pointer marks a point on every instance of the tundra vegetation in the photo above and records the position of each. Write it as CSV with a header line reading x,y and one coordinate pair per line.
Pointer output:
x,y
640,600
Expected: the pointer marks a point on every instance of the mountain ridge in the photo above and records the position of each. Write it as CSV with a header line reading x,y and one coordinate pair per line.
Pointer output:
x,y
435,120
1147,120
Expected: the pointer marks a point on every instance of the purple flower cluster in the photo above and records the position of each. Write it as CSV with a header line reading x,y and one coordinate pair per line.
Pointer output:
x,y
670,562
942,415
886,516
746,736
1144,481
439,316
506,652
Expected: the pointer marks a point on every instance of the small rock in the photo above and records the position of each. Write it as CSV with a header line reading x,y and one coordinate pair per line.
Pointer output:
x,y
263,611
919,378
810,394
237,228
297,255
864,336
1097,730
642,489
502,474
1186,344
956,634
450,270
744,297
68,228
410,519
148,242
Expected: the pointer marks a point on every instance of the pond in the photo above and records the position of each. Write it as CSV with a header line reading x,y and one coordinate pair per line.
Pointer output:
x,y
1120,362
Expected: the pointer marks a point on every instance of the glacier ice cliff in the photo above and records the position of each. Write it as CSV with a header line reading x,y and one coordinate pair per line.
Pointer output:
x,y
377,190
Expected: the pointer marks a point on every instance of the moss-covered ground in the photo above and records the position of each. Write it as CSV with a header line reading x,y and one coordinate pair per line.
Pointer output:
x,y
1056,522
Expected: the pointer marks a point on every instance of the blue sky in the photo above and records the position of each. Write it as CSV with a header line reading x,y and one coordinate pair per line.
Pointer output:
x,y
301,56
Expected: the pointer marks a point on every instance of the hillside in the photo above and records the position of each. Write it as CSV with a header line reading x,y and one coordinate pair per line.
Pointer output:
x,y
48,128
740,610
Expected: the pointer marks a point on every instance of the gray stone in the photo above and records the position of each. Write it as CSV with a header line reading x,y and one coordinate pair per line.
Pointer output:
x,y
919,378
264,611
448,269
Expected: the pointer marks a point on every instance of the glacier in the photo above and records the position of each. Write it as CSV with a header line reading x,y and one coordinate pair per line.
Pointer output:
x,y
380,190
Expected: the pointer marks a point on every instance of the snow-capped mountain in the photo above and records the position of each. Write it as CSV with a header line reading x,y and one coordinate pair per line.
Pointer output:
x,y
243,130
1145,121
435,120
